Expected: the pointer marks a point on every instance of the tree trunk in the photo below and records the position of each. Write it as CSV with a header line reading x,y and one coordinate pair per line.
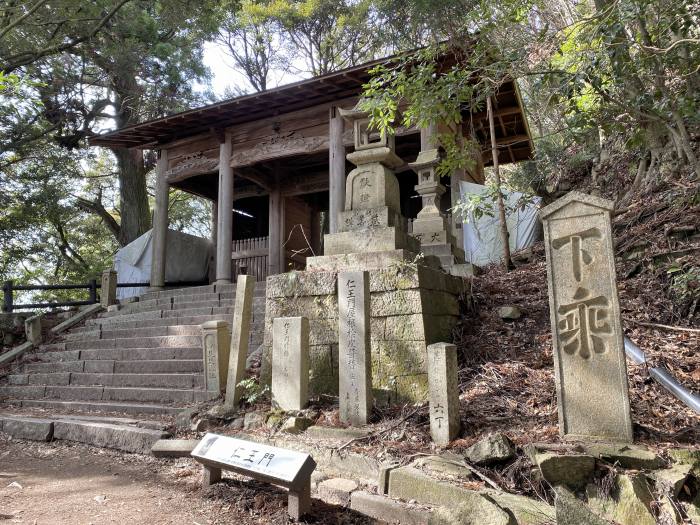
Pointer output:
x,y
505,236
133,195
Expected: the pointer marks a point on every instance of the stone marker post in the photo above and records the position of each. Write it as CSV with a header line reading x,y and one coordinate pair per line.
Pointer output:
x,y
290,363
216,343
240,334
32,329
444,392
108,288
354,353
589,355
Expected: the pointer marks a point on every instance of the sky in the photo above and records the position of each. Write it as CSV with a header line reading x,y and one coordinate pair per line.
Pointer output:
x,y
225,76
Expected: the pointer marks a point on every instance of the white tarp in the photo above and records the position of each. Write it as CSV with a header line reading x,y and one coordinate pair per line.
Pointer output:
x,y
482,236
187,259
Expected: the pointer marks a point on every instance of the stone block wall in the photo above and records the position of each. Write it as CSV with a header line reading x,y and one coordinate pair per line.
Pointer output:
x,y
411,306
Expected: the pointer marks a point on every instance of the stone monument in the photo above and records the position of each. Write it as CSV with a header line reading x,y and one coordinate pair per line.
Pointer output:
x,y
216,343
108,288
290,363
589,354
240,333
355,370
413,301
443,392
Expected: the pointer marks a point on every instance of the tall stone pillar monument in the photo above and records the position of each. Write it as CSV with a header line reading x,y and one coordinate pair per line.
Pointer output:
x,y
589,354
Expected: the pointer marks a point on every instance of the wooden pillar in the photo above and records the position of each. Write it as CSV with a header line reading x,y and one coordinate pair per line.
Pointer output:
x,y
214,221
275,258
160,223
336,168
225,213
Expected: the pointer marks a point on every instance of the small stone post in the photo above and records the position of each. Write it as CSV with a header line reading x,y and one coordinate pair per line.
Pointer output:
x,y
216,343
290,363
32,329
589,355
444,392
239,338
354,354
108,289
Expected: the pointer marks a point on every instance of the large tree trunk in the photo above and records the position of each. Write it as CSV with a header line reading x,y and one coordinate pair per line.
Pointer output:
x,y
133,195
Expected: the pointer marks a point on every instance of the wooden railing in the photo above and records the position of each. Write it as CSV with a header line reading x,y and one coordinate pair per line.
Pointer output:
x,y
250,257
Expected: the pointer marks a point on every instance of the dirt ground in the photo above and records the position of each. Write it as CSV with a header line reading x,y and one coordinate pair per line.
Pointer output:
x,y
64,483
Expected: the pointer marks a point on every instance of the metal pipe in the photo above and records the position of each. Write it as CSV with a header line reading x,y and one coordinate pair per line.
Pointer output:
x,y
665,379
662,376
634,352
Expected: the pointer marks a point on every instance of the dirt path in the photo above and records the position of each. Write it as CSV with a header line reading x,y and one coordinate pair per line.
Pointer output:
x,y
63,483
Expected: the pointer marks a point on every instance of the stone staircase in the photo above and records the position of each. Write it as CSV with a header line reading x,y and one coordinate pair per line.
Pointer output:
x,y
143,358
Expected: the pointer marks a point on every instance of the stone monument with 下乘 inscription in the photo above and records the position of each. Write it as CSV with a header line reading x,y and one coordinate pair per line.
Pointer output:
x,y
413,302
589,354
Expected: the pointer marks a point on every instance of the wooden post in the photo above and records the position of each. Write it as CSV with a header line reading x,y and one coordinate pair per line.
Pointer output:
x,y
225,213
160,223
7,297
275,260
505,237
214,221
336,168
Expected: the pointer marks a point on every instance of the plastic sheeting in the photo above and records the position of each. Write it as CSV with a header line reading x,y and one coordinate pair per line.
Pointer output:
x,y
187,259
482,237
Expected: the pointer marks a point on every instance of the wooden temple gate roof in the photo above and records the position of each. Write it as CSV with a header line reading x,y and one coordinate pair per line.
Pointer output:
x,y
512,132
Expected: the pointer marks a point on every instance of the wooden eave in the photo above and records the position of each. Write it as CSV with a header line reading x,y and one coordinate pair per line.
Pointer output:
x,y
512,132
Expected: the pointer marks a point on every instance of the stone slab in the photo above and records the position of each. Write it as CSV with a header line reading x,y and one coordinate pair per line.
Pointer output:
x,y
27,428
354,354
589,356
409,483
387,510
290,363
120,437
337,491
79,317
443,391
173,448
369,240
216,345
240,335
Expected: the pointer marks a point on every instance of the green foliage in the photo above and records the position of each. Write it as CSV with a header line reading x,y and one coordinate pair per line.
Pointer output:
x,y
253,391
685,283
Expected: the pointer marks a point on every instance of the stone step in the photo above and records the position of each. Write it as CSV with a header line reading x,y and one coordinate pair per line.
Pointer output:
x,y
219,288
165,366
166,307
97,406
116,323
59,366
108,331
166,341
152,331
122,354
105,393
136,380
120,437
215,310
151,354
